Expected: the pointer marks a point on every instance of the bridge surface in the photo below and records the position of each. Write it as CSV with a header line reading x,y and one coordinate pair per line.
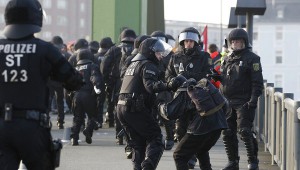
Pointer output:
x,y
104,154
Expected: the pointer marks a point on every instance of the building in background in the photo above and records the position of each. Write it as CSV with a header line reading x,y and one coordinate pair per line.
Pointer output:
x,y
70,19
276,39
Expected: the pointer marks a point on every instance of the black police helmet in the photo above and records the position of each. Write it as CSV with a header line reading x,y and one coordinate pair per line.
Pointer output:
x,y
94,45
159,35
105,44
127,35
57,41
151,45
84,56
189,33
22,18
81,43
138,41
171,40
170,37
238,33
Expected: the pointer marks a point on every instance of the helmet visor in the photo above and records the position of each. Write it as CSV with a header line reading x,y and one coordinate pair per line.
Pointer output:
x,y
160,38
188,36
161,47
172,43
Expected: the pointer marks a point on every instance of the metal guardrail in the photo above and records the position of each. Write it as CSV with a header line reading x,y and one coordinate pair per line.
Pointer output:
x,y
277,124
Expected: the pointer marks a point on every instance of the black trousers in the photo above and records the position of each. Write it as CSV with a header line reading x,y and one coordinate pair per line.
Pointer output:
x,y
58,93
83,102
26,140
190,145
144,136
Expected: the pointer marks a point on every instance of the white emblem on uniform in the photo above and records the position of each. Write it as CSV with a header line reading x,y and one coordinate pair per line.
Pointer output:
x,y
191,65
150,72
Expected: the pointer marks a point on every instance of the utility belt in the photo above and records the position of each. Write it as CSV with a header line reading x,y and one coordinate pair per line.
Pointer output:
x,y
8,114
133,103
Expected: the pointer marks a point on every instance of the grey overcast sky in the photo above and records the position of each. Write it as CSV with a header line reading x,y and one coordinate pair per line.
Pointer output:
x,y
207,11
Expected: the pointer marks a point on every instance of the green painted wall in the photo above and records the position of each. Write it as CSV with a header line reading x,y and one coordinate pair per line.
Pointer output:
x,y
110,17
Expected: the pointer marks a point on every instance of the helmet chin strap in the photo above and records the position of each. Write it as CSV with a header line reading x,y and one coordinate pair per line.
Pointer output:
x,y
189,51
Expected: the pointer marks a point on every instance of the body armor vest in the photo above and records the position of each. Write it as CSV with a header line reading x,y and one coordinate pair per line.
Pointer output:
x,y
24,71
133,82
85,71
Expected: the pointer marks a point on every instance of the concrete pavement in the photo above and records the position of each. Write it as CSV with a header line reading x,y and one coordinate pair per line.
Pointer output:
x,y
104,154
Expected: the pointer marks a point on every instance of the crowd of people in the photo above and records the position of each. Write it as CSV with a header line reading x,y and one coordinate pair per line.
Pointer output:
x,y
145,81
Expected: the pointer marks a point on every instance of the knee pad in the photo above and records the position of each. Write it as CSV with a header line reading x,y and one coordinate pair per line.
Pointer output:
x,y
245,133
227,134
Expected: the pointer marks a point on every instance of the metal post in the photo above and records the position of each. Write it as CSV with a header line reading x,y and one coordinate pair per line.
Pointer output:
x,y
297,134
250,26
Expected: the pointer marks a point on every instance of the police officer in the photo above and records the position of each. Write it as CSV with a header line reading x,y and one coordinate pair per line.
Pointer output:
x,y
26,63
191,62
105,44
164,96
208,119
94,46
56,89
79,45
242,81
136,100
171,40
85,99
137,42
111,67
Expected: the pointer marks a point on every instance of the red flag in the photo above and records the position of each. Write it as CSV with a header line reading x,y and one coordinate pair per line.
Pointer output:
x,y
204,38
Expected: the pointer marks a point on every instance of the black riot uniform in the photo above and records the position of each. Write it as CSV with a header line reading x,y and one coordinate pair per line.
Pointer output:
x,y
137,42
85,99
207,108
164,96
56,89
26,63
105,44
191,63
79,44
110,67
242,82
136,100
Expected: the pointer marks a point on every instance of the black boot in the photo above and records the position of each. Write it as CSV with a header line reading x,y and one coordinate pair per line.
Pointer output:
x,y
231,147
74,142
88,131
251,148
192,162
169,142
128,152
204,161
60,125
88,136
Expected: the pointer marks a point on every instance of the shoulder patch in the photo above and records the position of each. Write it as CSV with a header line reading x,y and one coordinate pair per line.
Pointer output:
x,y
256,66
151,72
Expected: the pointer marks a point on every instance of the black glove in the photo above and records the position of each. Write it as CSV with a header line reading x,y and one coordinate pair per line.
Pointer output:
x,y
252,103
214,75
176,82
159,86
74,83
162,111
